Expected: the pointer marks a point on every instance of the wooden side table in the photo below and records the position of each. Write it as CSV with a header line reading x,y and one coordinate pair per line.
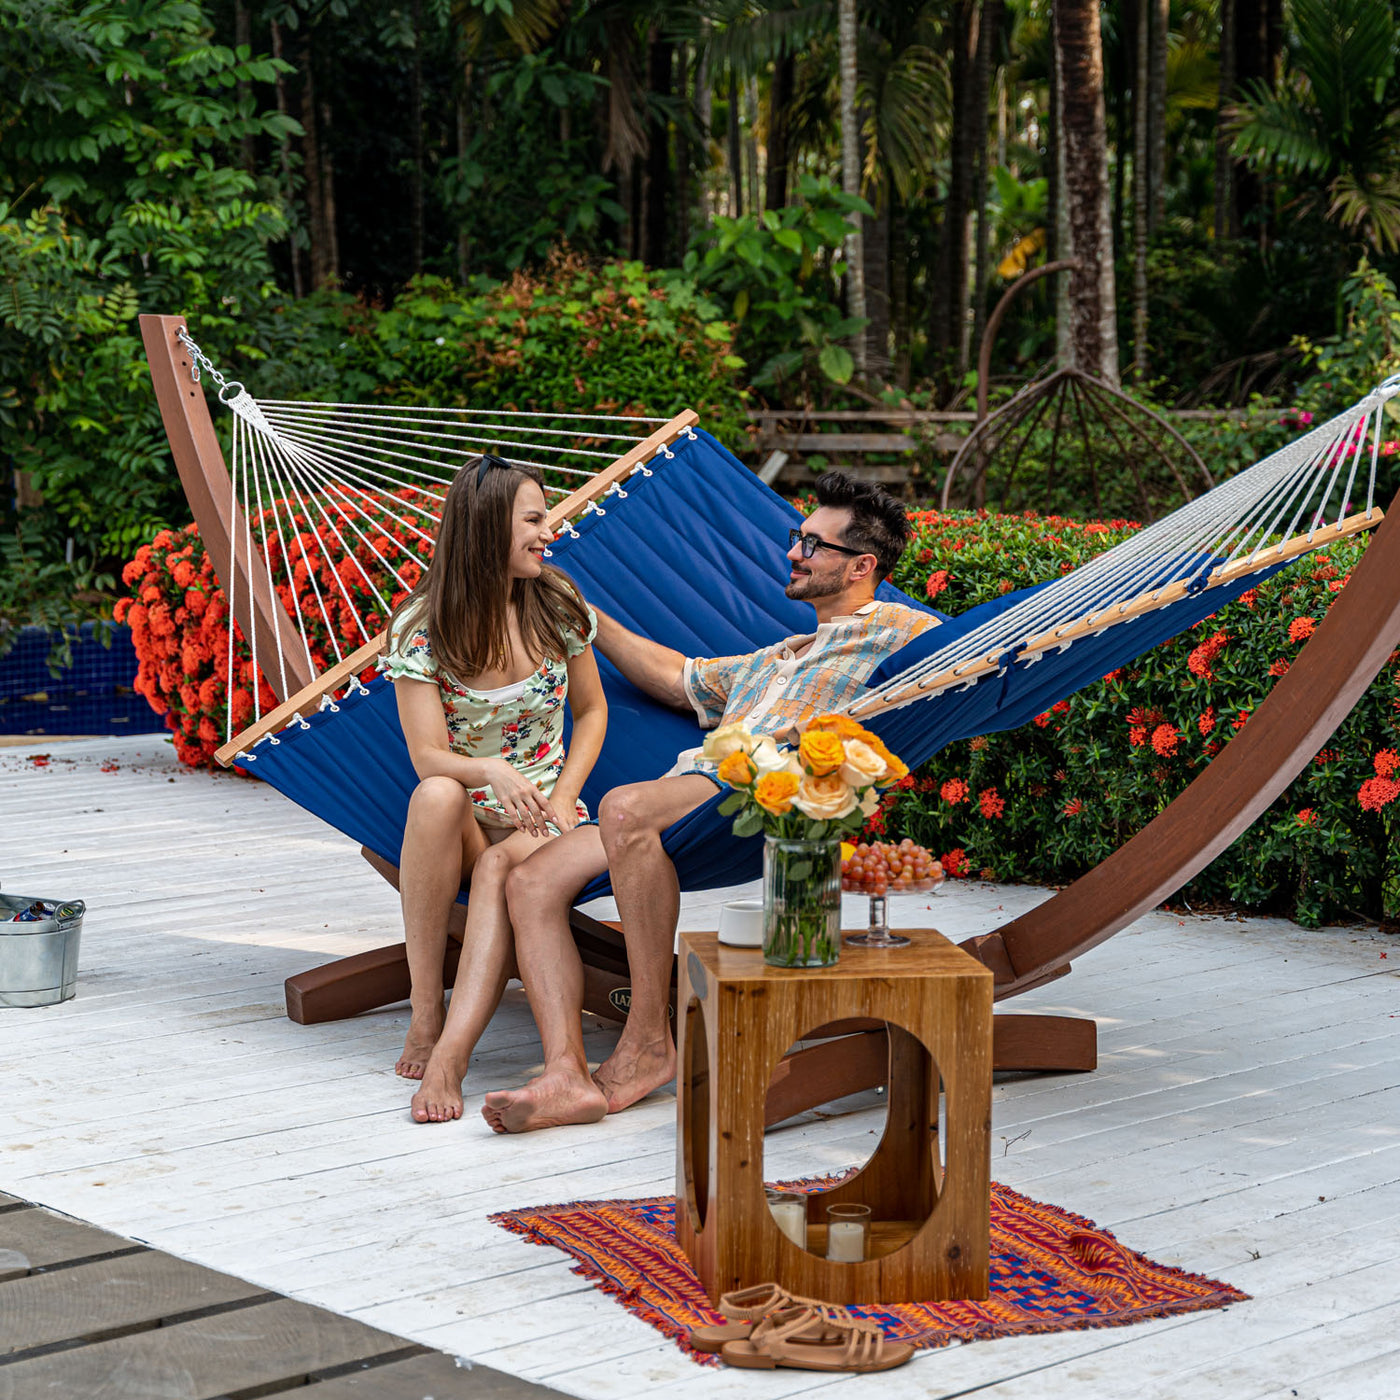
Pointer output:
x,y
928,1184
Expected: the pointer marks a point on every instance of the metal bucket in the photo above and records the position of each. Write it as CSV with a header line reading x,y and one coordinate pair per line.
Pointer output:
x,y
38,957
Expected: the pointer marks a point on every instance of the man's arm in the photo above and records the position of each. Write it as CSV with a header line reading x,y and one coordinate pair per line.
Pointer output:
x,y
648,665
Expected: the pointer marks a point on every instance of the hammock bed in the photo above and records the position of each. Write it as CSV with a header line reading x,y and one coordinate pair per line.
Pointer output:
x,y
683,544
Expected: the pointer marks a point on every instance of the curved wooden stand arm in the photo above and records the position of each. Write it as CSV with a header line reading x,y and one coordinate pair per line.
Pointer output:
x,y
278,647
1332,673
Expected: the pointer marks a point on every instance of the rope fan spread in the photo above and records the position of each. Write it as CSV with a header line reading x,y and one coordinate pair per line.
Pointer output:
x,y
683,544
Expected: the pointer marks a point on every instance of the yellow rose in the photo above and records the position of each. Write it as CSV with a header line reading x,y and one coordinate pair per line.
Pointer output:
x,y
727,739
821,753
863,766
737,770
824,798
774,792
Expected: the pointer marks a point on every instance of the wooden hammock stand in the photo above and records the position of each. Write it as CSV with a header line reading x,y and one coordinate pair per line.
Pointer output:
x,y
1305,707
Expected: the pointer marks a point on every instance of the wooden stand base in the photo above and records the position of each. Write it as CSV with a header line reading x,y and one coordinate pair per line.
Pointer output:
x,y
927,1184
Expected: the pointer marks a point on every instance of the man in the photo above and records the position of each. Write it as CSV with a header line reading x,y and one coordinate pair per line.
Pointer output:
x,y
838,558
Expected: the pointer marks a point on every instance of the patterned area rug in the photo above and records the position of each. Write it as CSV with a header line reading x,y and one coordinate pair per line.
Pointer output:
x,y
1051,1271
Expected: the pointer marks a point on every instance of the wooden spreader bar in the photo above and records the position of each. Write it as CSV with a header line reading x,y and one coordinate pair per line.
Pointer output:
x,y
1102,618
308,699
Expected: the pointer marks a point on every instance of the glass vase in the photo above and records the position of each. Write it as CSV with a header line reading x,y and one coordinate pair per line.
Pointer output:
x,y
801,902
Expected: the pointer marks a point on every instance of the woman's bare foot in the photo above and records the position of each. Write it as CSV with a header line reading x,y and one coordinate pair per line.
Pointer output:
x,y
440,1098
424,1027
554,1098
627,1076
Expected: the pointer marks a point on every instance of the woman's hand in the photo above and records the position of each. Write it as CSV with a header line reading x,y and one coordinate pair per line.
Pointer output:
x,y
523,802
565,808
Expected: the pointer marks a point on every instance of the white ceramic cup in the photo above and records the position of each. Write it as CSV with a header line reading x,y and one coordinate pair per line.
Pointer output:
x,y
741,923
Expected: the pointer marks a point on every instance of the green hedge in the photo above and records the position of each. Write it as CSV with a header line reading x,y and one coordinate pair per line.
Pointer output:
x,y
1047,802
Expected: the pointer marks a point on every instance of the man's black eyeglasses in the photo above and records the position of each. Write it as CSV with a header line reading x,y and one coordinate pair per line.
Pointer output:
x,y
811,543
489,460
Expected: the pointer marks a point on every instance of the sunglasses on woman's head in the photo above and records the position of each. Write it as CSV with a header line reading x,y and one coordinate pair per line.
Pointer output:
x,y
811,543
489,460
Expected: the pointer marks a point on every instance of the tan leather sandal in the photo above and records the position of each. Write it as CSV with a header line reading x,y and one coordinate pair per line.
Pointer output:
x,y
747,1307
779,1340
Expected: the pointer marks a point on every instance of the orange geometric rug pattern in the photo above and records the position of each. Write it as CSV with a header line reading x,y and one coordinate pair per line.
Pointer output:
x,y
1051,1271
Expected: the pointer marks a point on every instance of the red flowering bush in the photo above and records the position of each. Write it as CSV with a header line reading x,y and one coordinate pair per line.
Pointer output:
x,y
179,619
1050,800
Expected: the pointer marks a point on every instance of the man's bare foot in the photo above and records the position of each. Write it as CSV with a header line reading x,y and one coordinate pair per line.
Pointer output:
x,y
628,1076
424,1027
440,1098
556,1097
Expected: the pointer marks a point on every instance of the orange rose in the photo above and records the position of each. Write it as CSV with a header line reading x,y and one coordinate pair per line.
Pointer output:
x,y
774,792
821,753
738,770
843,726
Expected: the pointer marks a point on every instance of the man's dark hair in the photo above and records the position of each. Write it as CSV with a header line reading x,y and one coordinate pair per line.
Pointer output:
x,y
879,524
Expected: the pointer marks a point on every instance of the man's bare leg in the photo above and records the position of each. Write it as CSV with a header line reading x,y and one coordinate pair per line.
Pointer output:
x,y
539,894
647,891
488,961
441,841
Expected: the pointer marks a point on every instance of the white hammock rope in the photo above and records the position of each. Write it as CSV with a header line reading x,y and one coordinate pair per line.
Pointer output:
x,y
340,469
1243,525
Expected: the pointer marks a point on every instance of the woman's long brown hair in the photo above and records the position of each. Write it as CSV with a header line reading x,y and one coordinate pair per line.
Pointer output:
x,y
461,597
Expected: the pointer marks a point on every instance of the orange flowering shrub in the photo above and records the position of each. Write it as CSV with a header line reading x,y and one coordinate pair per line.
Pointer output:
x,y
179,618
1049,801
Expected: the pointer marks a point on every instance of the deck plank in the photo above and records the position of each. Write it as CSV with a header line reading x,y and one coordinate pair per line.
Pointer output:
x,y
138,1290
38,1239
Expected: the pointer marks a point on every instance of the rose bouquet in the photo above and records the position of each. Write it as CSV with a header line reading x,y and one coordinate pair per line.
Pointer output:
x,y
803,800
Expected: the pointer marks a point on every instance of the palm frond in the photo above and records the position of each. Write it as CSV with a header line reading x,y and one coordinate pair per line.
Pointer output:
x,y
1370,207
1281,127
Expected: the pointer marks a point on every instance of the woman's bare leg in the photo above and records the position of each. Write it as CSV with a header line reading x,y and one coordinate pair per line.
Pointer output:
x,y
441,842
540,892
487,963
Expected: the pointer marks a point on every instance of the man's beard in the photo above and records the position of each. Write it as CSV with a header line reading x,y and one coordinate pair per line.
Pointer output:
x,y
809,586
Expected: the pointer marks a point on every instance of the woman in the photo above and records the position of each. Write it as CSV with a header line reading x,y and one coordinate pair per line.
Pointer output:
x,y
483,653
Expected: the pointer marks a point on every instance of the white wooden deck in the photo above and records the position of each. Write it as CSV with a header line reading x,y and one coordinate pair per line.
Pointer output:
x,y
1244,1122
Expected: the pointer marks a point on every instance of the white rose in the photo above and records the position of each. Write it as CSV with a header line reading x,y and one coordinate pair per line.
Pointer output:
x,y
769,758
863,766
727,739
824,799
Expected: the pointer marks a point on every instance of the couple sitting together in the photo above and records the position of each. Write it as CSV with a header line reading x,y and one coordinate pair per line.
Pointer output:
x,y
485,653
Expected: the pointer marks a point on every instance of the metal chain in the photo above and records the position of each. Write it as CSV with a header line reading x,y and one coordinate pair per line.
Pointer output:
x,y
201,361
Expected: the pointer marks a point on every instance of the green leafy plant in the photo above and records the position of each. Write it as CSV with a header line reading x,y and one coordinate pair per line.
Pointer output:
x,y
777,275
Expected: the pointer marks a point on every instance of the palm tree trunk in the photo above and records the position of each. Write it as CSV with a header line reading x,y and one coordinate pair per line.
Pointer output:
x,y
876,250
987,37
1157,114
850,173
1226,216
1142,106
416,181
1093,339
311,167
949,321
736,151
657,195
285,153
779,119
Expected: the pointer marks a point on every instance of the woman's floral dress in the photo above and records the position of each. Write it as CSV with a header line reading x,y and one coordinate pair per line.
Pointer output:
x,y
527,730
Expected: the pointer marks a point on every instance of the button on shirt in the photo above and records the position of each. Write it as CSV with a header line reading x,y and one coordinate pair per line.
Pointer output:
x,y
773,689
